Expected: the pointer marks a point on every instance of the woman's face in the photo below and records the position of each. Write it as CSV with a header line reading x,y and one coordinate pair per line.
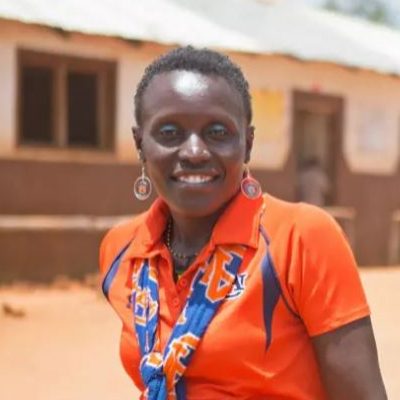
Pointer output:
x,y
195,139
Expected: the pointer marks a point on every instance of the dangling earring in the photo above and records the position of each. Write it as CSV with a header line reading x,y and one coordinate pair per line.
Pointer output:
x,y
142,186
250,187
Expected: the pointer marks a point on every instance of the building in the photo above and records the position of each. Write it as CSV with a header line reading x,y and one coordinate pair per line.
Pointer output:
x,y
322,84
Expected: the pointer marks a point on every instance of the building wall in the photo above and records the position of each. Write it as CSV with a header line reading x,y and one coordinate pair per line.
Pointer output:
x,y
58,181
368,96
45,255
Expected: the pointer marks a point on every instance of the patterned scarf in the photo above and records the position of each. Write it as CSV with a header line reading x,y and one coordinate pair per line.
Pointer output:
x,y
162,372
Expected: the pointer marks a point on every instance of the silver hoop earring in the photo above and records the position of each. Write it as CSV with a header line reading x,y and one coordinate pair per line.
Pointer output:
x,y
250,186
142,187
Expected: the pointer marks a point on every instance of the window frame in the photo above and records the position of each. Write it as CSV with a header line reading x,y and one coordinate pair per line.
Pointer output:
x,y
61,64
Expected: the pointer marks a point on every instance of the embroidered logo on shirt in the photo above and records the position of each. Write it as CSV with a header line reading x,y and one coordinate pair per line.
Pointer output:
x,y
238,287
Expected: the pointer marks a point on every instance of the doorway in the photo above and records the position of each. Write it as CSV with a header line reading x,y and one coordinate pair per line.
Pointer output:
x,y
317,138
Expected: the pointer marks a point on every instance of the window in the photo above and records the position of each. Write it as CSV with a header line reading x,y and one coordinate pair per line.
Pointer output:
x,y
37,100
66,101
82,109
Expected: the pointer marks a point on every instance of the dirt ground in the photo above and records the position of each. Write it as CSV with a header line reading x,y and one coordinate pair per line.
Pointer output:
x,y
60,342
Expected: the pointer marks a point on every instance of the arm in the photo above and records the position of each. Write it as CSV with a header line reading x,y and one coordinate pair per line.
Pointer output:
x,y
348,362
330,299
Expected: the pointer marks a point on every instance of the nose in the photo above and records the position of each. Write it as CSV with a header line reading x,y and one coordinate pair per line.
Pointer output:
x,y
194,150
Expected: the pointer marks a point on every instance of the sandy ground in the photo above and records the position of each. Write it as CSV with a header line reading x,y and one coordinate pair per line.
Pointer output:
x,y
61,342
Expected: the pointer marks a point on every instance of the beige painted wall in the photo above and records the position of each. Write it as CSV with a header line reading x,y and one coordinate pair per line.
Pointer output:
x,y
7,97
371,147
366,94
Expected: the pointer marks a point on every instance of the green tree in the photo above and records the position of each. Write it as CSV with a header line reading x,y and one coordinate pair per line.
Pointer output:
x,y
373,10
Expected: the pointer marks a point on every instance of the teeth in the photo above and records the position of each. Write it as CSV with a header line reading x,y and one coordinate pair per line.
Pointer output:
x,y
195,178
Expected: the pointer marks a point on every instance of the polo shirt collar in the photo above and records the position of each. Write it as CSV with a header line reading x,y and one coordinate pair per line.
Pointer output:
x,y
239,224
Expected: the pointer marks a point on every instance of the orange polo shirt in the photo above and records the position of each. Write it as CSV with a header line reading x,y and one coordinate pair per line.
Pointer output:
x,y
298,279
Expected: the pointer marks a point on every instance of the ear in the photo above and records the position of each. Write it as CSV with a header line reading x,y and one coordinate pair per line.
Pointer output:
x,y
249,142
137,137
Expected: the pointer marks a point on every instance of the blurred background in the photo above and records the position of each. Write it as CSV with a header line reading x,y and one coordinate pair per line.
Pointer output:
x,y
325,84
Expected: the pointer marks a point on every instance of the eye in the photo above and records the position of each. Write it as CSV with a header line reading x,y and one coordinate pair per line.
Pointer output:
x,y
169,131
218,132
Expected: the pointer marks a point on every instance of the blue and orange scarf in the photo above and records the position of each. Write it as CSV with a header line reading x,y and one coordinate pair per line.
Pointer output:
x,y
162,372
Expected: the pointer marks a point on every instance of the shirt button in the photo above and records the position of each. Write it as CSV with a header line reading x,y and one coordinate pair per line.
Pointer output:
x,y
176,302
183,282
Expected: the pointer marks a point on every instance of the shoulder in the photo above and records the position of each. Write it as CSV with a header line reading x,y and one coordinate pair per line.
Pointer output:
x,y
315,224
305,239
300,221
322,241
116,239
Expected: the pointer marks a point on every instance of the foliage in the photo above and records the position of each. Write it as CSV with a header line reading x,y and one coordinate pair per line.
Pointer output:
x,y
373,10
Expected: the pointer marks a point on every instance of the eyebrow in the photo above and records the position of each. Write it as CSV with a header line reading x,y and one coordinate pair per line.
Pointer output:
x,y
174,117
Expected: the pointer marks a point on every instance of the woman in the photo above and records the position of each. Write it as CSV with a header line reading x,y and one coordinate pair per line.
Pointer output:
x,y
225,293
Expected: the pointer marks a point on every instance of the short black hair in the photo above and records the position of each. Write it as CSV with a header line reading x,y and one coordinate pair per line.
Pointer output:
x,y
205,61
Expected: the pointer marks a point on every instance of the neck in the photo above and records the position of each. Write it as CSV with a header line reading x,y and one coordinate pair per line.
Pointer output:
x,y
190,234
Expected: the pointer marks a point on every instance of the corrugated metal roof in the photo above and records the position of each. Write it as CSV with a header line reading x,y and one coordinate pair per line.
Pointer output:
x,y
241,25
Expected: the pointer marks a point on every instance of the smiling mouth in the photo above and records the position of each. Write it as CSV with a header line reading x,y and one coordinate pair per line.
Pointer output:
x,y
195,179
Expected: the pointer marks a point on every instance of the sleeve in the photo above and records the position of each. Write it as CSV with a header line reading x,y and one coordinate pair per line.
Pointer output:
x,y
112,243
105,253
324,277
